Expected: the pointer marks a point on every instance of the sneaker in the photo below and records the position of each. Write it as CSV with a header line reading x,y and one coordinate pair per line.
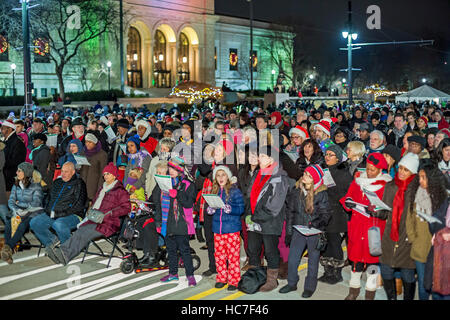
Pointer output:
x,y
169,277
232,288
191,281
220,285
208,273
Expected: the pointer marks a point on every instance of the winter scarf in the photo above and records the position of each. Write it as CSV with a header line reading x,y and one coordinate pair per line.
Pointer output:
x,y
165,207
423,201
443,166
399,204
371,184
138,158
399,133
102,193
261,178
32,151
94,151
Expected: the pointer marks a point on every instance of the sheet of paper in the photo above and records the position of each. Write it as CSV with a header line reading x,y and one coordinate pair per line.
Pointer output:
x,y
52,140
374,200
214,201
433,124
428,218
164,182
123,146
81,160
111,135
360,208
306,231
328,179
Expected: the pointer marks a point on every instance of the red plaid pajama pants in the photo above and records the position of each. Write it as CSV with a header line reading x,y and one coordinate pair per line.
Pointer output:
x,y
228,247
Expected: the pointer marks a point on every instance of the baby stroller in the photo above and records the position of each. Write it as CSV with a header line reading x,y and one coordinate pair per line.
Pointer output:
x,y
130,233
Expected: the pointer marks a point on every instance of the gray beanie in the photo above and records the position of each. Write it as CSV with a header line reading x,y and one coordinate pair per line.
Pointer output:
x,y
27,169
91,137
337,151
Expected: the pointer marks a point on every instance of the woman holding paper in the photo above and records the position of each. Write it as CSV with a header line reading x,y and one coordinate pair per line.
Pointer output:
x,y
308,206
428,193
226,226
360,221
26,194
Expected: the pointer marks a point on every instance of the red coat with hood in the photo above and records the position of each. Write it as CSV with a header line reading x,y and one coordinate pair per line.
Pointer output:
x,y
359,224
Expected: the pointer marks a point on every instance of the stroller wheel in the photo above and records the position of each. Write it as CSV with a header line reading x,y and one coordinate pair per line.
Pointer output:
x,y
127,266
196,262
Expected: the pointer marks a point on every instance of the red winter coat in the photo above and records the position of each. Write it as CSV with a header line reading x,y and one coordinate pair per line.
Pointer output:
x,y
359,225
118,200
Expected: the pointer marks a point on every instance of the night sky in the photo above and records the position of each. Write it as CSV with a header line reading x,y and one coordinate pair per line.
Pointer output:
x,y
322,21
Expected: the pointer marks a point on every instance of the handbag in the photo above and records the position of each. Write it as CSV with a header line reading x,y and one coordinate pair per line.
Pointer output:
x,y
374,238
252,280
96,216
322,242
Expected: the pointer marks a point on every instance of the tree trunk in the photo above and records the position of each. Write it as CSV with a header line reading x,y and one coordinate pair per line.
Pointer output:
x,y
59,73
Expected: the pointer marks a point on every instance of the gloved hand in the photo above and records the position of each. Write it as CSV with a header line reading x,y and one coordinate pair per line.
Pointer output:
x,y
287,240
158,229
349,204
370,209
173,193
210,211
248,220
227,208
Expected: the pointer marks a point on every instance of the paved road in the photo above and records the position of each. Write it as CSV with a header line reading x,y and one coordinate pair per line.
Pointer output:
x,y
38,278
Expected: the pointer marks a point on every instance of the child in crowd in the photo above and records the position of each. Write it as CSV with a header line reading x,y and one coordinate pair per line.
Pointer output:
x,y
226,227
174,219
137,194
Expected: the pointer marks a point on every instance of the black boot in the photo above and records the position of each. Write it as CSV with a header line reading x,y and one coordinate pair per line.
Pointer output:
x,y
199,234
328,274
336,275
148,261
409,289
389,287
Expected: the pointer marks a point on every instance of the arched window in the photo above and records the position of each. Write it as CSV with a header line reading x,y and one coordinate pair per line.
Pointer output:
x,y
161,74
183,58
134,59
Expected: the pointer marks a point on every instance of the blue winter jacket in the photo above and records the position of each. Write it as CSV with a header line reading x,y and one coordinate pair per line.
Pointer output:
x,y
229,222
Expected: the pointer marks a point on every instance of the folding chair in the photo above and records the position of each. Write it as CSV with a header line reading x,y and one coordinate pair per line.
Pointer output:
x,y
113,240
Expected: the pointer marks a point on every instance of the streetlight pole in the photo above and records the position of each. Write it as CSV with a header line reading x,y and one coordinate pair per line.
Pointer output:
x,y
26,57
13,68
122,76
251,46
108,64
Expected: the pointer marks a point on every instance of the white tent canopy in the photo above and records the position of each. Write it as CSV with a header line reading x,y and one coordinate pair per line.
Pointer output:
x,y
423,93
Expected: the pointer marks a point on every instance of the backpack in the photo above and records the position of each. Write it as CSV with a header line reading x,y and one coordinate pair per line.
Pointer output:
x,y
252,280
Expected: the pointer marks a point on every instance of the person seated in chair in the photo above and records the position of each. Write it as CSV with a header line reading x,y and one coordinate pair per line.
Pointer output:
x,y
64,210
113,201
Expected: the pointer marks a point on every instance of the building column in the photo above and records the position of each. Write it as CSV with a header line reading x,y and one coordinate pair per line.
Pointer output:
x,y
195,72
172,62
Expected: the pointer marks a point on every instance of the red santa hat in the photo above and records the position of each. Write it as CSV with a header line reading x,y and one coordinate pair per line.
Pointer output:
x,y
8,123
324,126
300,131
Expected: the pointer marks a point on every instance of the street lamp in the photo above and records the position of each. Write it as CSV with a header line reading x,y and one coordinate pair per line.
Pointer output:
x,y
343,80
109,64
311,76
424,80
13,68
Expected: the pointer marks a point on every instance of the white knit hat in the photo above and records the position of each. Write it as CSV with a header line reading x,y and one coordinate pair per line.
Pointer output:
x,y
227,171
91,137
410,161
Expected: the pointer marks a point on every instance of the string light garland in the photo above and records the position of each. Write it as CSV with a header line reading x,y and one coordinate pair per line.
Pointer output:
x,y
380,91
193,91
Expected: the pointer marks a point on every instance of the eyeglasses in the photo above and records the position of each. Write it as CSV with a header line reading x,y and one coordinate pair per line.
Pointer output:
x,y
330,155
295,137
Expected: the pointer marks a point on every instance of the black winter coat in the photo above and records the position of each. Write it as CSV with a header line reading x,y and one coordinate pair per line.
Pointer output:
x,y
296,214
67,198
41,159
302,165
15,153
343,179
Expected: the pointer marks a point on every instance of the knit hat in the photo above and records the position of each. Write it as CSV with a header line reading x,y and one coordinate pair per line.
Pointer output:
x,y
190,124
278,117
410,161
393,151
227,171
91,137
112,169
424,120
317,174
40,136
300,131
135,139
337,151
123,123
177,163
418,139
9,123
377,160
324,126
27,169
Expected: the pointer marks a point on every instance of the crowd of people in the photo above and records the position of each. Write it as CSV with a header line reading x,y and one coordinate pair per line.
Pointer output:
x,y
368,179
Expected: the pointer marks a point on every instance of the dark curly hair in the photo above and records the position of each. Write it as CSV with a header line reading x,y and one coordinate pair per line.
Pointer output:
x,y
437,184
443,144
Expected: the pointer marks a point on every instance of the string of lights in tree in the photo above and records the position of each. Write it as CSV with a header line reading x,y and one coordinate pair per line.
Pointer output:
x,y
192,94
380,91
42,47
3,44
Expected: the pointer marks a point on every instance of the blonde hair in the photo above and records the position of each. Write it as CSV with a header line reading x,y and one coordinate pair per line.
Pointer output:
x,y
357,147
162,164
216,186
309,198
137,172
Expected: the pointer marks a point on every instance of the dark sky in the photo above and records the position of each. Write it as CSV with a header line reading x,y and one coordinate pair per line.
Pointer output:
x,y
323,20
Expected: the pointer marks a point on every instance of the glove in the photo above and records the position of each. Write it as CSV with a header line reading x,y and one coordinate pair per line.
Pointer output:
x,y
210,211
370,210
248,220
287,240
349,204
173,193
227,208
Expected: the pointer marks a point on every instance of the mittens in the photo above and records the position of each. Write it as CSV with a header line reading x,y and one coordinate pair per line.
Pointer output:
x,y
227,208
248,220
173,193
210,211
